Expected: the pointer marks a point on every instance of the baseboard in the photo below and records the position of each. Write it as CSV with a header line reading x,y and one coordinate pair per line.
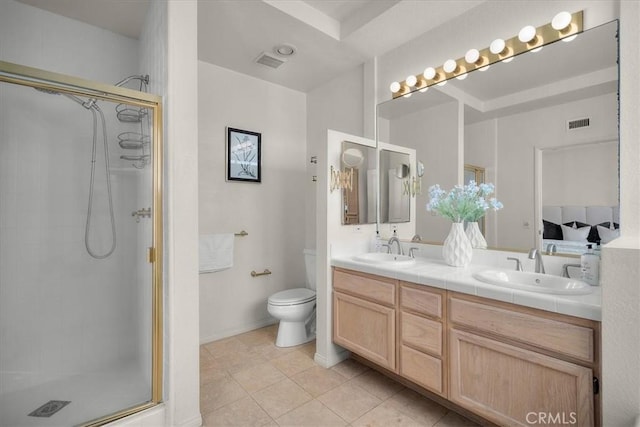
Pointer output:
x,y
333,359
193,422
238,330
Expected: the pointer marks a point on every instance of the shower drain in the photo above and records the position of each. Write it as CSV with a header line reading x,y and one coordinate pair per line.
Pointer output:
x,y
49,408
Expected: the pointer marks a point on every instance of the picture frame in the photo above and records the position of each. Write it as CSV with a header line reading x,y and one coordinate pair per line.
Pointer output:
x,y
244,155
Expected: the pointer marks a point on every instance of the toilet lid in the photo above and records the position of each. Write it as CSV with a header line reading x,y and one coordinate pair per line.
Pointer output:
x,y
292,296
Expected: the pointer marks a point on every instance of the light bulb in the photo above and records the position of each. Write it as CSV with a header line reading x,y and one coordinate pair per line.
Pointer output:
x,y
561,21
449,66
429,73
411,80
527,34
472,56
394,87
497,46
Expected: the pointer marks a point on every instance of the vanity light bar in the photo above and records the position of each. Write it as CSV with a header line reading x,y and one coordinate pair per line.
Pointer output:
x,y
563,26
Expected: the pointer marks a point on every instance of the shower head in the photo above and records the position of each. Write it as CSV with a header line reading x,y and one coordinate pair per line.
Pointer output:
x,y
144,79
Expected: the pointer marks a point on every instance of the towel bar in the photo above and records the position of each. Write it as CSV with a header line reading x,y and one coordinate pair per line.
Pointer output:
x,y
241,234
264,273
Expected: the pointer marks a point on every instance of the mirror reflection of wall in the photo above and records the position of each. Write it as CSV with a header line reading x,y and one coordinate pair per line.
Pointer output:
x,y
394,198
475,174
359,201
579,195
508,111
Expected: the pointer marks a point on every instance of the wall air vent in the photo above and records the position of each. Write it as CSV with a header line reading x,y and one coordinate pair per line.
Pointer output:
x,y
269,60
578,123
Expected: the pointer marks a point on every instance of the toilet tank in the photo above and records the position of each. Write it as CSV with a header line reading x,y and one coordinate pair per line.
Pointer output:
x,y
310,267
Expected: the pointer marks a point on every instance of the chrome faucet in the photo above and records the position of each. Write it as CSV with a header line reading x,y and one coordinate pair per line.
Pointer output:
x,y
535,254
552,249
396,240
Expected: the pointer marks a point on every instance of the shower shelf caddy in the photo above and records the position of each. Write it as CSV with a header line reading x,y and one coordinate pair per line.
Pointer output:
x,y
135,140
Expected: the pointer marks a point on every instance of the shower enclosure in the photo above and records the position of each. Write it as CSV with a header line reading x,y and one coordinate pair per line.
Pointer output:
x,y
80,248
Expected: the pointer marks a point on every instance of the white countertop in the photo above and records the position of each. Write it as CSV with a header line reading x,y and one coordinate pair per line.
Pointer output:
x,y
436,273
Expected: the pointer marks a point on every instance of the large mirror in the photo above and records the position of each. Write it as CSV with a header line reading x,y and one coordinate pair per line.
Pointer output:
x,y
359,195
531,126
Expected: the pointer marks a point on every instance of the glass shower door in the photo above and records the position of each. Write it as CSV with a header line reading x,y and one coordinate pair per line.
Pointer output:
x,y
80,327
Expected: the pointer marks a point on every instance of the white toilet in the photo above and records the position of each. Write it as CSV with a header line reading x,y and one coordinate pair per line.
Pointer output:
x,y
296,308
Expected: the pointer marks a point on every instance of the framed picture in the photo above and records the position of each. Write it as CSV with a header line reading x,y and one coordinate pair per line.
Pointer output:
x,y
243,155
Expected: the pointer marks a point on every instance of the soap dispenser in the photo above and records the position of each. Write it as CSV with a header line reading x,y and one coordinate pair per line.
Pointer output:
x,y
590,265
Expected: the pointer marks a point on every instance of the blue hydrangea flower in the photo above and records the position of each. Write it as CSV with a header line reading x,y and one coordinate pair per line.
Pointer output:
x,y
463,203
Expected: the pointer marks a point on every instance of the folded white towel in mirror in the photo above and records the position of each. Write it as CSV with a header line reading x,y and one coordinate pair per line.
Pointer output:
x,y
216,252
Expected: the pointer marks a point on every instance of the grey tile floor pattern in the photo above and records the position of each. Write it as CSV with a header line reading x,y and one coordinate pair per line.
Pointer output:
x,y
246,380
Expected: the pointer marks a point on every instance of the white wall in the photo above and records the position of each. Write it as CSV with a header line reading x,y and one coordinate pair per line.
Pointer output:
x,y
181,219
41,39
337,105
272,212
581,175
480,149
517,135
51,325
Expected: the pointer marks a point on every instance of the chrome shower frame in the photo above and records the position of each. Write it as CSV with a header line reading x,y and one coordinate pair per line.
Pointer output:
x,y
81,88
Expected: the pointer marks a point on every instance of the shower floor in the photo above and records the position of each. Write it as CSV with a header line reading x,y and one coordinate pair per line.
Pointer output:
x,y
92,396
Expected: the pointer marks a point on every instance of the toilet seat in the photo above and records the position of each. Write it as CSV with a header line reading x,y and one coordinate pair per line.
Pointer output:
x,y
292,297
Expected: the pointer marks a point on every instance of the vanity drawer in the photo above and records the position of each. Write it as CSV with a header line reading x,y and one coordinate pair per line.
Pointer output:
x,y
422,369
421,299
560,337
373,288
421,333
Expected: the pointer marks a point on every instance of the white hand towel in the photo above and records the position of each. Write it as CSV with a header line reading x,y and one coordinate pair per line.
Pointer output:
x,y
216,252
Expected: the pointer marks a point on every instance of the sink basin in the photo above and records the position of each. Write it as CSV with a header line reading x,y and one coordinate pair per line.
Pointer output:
x,y
383,258
534,282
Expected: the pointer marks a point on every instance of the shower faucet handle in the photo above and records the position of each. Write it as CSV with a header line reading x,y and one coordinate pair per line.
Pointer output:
x,y
141,213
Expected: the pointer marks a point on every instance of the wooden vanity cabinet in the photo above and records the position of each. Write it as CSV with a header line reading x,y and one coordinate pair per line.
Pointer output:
x,y
364,316
517,366
422,356
509,364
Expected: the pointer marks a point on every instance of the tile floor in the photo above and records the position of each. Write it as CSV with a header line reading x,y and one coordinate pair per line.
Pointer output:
x,y
246,380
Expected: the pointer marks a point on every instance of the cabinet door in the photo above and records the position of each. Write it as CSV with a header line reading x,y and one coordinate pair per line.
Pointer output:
x,y
366,328
512,386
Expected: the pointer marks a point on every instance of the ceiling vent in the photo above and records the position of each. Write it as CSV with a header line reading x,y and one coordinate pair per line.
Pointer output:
x,y
269,60
578,123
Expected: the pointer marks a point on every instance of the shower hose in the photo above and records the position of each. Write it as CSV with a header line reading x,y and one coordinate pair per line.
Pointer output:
x,y
93,107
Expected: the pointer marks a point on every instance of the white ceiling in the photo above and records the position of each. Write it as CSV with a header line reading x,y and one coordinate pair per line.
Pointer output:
x,y
331,36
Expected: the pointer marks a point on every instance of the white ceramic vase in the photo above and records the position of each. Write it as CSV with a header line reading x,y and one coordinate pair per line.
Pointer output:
x,y
457,250
475,236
